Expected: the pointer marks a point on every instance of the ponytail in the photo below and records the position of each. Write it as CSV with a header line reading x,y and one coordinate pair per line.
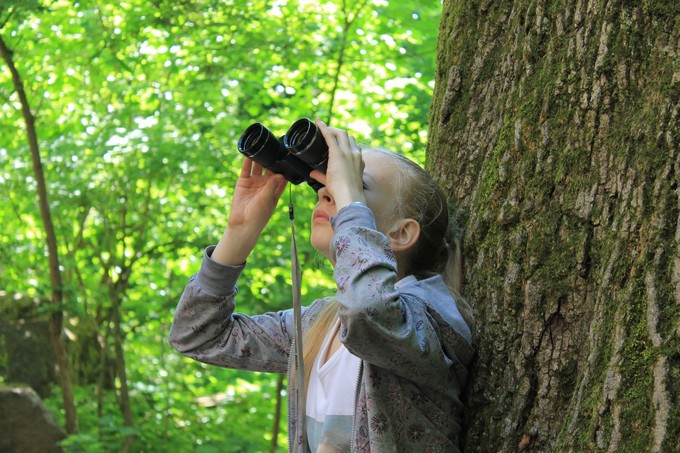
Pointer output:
x,y
452,273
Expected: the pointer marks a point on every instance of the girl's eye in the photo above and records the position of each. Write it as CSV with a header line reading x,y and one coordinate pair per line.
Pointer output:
x,y
363,185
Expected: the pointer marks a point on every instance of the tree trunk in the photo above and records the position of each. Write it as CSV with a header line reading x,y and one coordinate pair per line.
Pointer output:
x,y
555,127
277,413
57,300
121,372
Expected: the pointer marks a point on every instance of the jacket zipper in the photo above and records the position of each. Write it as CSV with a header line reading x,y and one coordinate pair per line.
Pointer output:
x,y
357,389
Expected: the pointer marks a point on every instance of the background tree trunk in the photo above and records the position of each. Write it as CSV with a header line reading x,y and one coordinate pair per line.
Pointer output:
x,y
555,126
57,300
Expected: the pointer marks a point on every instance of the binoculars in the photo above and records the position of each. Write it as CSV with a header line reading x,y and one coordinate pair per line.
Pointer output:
x,y
301,150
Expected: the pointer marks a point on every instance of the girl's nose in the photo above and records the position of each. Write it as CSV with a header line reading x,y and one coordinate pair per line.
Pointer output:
x,y
325,195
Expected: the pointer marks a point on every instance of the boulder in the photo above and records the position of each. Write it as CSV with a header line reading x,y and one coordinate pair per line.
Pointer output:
x,y
27,426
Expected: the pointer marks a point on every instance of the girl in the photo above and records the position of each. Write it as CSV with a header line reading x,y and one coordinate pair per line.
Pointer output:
x,y
386,357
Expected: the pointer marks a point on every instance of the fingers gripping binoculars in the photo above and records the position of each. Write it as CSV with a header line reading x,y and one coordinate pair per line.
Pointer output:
x,y
301,150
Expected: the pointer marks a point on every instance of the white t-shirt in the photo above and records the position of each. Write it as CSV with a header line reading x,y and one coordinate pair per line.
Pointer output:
x,y
330,398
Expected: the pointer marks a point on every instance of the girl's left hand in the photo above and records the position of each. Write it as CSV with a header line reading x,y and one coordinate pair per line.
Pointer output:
x,y
344,174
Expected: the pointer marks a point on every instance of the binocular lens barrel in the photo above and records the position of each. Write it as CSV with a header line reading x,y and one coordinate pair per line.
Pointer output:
x,y
258,143
305,141
295,155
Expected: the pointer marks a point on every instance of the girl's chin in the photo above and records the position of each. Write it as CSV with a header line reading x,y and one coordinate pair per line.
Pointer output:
x,y
324,250
321,246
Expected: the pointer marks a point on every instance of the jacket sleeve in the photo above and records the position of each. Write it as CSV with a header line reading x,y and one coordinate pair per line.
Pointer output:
x,y
205,327
397,331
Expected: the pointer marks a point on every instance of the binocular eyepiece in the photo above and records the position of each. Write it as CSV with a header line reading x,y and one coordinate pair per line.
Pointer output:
x,y
301,150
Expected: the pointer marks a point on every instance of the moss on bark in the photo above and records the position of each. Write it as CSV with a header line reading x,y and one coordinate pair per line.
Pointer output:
x,y
554,125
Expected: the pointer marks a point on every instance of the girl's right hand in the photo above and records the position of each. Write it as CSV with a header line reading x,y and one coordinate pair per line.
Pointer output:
x,y
255,197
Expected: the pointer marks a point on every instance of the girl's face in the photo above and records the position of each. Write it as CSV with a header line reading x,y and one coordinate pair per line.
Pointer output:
x,y
379,192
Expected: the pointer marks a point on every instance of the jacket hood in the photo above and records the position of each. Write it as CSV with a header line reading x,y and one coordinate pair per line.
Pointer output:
x,y
435,293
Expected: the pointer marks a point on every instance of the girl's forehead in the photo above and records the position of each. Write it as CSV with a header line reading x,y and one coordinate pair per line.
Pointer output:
x,y
377,158
380,166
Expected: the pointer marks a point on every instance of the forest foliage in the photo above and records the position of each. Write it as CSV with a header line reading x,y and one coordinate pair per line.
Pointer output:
x,y
138,106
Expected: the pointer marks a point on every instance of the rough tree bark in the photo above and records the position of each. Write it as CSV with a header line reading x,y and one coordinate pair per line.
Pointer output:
x,y
555,126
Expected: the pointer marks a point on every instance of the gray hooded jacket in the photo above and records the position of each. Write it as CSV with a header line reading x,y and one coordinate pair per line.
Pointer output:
x,y
414,345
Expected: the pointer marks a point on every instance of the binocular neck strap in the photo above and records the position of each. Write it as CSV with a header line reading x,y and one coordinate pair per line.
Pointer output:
x,y
297,339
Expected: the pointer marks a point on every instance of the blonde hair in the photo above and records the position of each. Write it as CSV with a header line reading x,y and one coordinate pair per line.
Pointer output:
x,y
437,251
313,337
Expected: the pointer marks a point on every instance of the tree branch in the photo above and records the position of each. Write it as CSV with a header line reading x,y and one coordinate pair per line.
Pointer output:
x,y
349,18
9,16
57,315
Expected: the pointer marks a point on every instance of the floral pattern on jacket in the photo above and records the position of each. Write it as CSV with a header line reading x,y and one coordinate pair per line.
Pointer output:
x,y
414,345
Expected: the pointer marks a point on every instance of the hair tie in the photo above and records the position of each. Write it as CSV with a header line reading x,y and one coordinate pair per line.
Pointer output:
x,y
447,244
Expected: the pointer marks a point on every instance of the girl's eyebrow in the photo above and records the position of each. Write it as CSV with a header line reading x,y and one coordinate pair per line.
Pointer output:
x,y
369,177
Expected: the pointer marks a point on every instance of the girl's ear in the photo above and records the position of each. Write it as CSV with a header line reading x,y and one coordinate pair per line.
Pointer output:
x,y
404,234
